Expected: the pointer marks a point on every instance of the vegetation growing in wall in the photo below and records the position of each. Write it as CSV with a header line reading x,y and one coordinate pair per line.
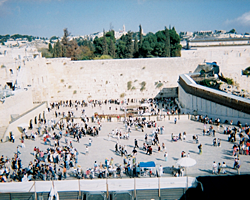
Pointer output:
x,y
246,71
122,95
129,85
229,81
62,80
74,92
69,86
159,85
208,83
3,66
143,86
133,88
143,68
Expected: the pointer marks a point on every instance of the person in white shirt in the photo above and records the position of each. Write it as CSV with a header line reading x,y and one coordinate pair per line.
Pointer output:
x,y
214,168
160,170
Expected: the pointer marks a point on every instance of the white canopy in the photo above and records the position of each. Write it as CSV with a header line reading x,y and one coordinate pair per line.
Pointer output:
x,y
186,162
145,105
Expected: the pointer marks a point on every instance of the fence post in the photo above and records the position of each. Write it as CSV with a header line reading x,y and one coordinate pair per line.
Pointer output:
x,y
159,188
134,189
107,188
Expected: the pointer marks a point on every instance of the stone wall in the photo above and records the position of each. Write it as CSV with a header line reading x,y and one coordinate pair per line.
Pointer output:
x,y
105,79
15,105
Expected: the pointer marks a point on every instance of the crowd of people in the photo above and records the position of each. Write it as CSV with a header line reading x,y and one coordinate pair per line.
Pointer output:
x,y
60,159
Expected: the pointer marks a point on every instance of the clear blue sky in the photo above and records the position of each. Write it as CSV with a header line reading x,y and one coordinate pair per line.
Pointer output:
x,y
46,18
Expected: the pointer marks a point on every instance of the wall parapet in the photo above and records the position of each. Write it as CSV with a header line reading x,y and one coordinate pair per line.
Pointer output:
x,y
213,95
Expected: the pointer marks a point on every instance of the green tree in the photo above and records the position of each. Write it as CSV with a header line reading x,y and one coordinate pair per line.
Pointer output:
x,y
136,48
112,49
50,48
167,43
65,41
57,50
232,31
140,30
121,48
98,46
104,45
148,45
175,46
129,45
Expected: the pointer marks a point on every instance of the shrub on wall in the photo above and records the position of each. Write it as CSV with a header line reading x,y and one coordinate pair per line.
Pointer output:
x,y
143,86
159,85
246,71
129,85
122,95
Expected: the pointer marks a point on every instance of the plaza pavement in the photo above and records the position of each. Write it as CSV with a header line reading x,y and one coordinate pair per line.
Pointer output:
x,y
103,148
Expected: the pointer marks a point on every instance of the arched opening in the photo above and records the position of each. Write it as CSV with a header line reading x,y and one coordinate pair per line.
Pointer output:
x,y
39,117
35,120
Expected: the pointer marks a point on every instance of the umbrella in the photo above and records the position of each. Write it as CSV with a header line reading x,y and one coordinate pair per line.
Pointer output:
x,y
144,105
186,162
146,114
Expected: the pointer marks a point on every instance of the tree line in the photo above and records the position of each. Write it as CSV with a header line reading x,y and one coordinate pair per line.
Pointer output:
x,y
5,38
164,43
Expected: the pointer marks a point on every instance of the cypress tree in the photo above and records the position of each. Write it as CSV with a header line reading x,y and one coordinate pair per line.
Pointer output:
x,y
50,48
104,45
112,48
167,43
136,49
140,30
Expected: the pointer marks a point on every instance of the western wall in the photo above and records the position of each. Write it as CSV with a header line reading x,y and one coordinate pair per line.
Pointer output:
x,y
62,79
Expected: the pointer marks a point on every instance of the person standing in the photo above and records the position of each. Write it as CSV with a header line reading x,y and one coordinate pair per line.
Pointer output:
x,y
200,149
166,156
136,143
146,138
214,168
160,171
87,149
223,168
175,120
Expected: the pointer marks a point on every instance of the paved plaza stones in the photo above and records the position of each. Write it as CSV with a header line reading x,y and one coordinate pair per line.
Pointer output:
x,y
102,148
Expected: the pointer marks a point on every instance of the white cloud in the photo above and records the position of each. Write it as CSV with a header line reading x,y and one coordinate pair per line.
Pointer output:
x,y
243,20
